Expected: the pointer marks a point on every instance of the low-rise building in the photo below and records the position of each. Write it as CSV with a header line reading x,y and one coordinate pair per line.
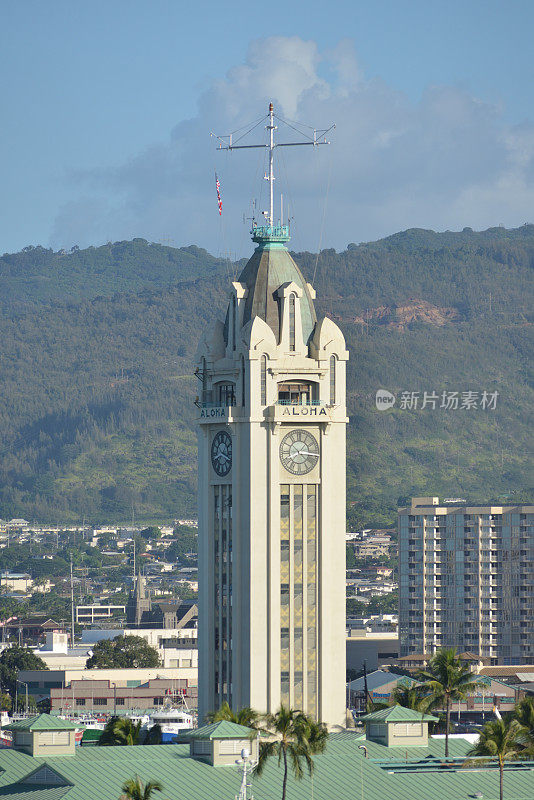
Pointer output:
x,y
121,696
88,615
42,682
30,630
477,706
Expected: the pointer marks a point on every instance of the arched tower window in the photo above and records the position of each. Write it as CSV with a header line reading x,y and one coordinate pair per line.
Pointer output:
x,y
234,326
243,390
263,381
332,380
292,322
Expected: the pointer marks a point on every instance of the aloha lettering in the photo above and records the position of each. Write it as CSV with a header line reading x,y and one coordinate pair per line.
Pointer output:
x,y
304,411
212,412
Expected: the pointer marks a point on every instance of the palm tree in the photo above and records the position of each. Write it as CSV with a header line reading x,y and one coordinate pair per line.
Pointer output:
x,y
135,789
524,714
501,739
446,680
245,716
122,731
297,738
153,735
414,697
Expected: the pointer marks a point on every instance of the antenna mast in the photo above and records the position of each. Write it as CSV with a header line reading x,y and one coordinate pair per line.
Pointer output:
x,y
271,128
226,143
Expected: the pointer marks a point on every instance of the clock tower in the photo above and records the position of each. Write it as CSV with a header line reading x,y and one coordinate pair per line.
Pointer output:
x,y
271,455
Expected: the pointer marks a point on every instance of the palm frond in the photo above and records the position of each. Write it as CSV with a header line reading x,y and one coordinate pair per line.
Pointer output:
x,y
267,749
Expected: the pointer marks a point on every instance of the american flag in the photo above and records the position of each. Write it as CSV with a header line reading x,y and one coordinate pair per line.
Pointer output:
x,y
219,201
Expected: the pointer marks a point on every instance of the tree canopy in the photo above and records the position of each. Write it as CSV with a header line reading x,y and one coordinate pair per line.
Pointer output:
x,y
14,659
123,652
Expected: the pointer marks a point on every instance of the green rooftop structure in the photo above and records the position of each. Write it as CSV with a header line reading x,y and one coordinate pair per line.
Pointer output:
x,y
43,735
397,726
350,768
222,742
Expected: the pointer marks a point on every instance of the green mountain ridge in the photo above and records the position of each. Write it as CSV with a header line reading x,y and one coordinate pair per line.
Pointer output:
x,y
97,354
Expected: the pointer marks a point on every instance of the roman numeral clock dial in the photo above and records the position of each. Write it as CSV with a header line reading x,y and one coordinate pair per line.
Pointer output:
x,y
299,452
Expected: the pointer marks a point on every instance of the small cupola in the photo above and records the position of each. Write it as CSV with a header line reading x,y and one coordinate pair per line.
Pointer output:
x,y
398,726
221,743
43,735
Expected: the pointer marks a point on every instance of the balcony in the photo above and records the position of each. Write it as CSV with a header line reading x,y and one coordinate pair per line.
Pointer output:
x,y
278,234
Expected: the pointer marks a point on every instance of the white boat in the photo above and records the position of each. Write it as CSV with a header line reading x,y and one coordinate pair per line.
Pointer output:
x,y
171,720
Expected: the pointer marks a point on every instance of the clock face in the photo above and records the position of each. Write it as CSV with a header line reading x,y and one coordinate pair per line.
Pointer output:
x,y
299,452
221,453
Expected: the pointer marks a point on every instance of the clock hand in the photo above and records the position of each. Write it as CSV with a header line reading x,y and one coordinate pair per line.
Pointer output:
x,y
305,453
221,455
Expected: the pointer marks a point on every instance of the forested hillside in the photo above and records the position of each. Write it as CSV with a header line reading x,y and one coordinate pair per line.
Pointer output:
x,y
40,274
97,390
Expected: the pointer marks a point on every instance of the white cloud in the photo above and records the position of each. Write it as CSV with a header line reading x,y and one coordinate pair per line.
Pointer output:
x,y
446,162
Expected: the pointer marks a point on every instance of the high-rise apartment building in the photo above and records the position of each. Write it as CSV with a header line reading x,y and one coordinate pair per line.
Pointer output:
x,y
271,447
466,580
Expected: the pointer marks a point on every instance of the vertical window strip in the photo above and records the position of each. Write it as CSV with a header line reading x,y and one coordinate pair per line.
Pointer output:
x,y
219,631
263,381
311,599
285,637
292,322
332,380
297,511
243,387
228,556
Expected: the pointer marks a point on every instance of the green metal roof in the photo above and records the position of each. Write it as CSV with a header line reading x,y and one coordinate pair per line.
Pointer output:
x,y
222,730
41,722
398,714
267,270
342,771
35,792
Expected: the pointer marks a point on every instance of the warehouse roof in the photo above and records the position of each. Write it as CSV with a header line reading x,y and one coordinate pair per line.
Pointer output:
x,y
422,772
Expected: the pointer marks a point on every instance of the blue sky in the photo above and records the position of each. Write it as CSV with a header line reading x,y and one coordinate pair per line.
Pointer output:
x,y
107,108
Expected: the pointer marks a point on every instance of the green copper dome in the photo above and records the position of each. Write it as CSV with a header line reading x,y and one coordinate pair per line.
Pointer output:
x,y
269,267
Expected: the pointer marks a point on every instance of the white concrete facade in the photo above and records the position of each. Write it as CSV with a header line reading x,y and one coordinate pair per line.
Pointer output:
x,y
271,444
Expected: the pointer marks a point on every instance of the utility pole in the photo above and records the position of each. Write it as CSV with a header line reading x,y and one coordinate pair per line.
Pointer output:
x,y
368,698
71,604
